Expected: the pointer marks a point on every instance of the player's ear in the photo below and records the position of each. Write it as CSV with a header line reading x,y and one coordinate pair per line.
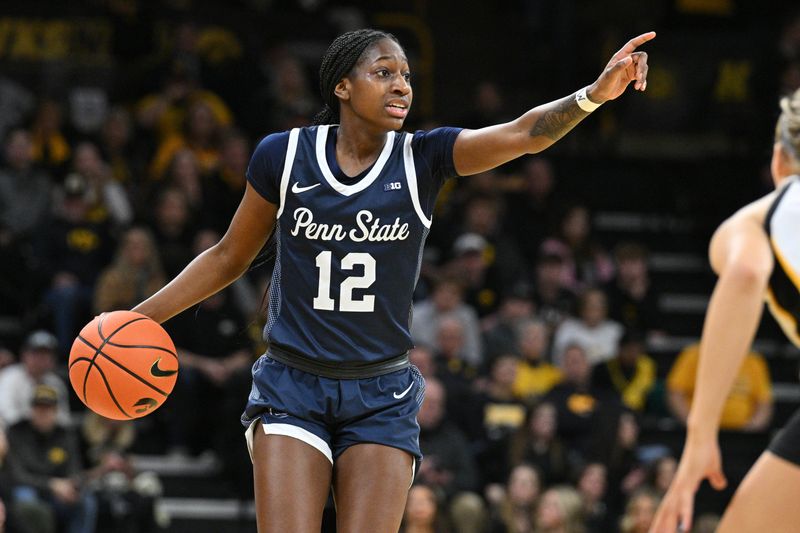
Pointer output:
x,y
342,89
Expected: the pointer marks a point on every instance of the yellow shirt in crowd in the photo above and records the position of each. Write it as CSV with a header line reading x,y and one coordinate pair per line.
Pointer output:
x,y
751,388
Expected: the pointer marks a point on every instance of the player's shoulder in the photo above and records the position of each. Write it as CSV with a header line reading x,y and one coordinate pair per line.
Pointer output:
x,y
273,142
441,133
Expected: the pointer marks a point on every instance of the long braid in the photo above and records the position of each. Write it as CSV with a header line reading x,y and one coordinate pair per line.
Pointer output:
x,y
340,58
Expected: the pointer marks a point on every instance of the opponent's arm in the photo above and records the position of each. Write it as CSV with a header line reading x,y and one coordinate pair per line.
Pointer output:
x,y
220,265
741,254
486,148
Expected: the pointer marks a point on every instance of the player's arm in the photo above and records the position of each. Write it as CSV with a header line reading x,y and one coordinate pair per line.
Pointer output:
x,y
741,255
486,148
220,265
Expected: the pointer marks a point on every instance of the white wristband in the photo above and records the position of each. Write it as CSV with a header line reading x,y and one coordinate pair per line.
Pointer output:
x,y
584,102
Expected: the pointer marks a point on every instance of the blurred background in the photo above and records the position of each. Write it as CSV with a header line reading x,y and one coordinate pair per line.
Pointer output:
x,y
561,296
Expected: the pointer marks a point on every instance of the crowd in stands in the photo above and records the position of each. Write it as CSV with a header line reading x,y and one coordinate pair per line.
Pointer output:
x,y
532,336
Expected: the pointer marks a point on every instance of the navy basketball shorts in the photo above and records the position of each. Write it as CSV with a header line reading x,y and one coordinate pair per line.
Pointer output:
x,y
333,414
786,443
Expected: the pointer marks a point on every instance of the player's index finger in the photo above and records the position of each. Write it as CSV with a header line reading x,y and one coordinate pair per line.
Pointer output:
x,y
638,41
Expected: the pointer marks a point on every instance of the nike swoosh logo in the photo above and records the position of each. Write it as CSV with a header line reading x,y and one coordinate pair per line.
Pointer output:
x,y
398,396
297,189
157,372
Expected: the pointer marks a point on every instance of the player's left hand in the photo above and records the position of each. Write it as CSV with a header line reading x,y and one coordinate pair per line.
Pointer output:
x,y
701,460
624,67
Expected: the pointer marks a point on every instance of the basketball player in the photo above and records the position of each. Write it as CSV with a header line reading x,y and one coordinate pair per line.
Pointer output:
x,y
334,400
756,252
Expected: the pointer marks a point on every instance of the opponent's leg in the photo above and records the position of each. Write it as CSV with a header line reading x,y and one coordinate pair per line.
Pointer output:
x,y
292,482
370,488
767,499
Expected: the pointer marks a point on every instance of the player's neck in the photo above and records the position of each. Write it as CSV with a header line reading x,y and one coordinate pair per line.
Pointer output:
x,y
359,144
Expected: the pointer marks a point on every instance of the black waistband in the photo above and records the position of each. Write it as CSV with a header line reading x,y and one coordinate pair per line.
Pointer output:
x,y
341,370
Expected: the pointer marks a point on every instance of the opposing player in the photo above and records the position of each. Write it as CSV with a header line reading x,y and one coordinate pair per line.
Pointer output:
x,y
334,399
756,252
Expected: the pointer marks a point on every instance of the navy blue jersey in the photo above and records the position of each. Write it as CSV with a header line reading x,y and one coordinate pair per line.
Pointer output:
x,y
348,249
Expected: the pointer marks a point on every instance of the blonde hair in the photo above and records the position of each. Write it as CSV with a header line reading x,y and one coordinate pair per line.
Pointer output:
x,y
787,130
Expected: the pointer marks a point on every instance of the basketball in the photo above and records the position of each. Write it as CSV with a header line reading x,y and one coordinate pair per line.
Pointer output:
x,y
123,365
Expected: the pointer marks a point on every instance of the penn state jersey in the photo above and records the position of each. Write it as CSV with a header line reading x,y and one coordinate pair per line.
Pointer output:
x,y
783,227
348,251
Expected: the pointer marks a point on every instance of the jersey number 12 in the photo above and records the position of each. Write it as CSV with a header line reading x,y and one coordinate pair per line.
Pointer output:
x,y
323,300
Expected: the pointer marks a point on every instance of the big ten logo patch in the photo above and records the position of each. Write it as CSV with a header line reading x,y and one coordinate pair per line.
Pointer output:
x,y
392,186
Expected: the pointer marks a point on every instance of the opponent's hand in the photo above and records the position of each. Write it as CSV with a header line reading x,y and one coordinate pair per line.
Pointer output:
x,y
624,67
701,460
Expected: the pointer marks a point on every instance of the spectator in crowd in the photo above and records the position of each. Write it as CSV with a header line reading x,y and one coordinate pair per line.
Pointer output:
x,y
472,255
126,497
108,199
174,226
586,264
514,506
488,106
135,274
632,300
117,148
448,464
184,175
75,250
225,187
499,414
537,443
639,512
503,262
18,382
457,375
447,299
535,376
660,474
200,136
532,209
593,331
24,190
592,485
49,144
749,406
554,302
631,373
501,329
424,513
173,230
560,511
581,409
164,112
45,464
620,456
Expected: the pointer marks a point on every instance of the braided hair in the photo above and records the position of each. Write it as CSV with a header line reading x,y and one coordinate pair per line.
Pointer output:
x,y
788,128
342,55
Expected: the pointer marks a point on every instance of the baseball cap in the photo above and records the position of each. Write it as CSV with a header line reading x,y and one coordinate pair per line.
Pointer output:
x,y
469,242
44,395
40,340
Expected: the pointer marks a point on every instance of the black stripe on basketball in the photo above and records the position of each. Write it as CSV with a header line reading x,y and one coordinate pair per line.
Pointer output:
x,y
126,369
145,346
105,340
105,381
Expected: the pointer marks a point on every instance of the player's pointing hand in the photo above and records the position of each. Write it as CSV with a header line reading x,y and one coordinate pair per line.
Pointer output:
x,y
625,66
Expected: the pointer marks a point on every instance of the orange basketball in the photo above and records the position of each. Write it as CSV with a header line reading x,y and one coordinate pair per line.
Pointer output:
x,y
123,365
